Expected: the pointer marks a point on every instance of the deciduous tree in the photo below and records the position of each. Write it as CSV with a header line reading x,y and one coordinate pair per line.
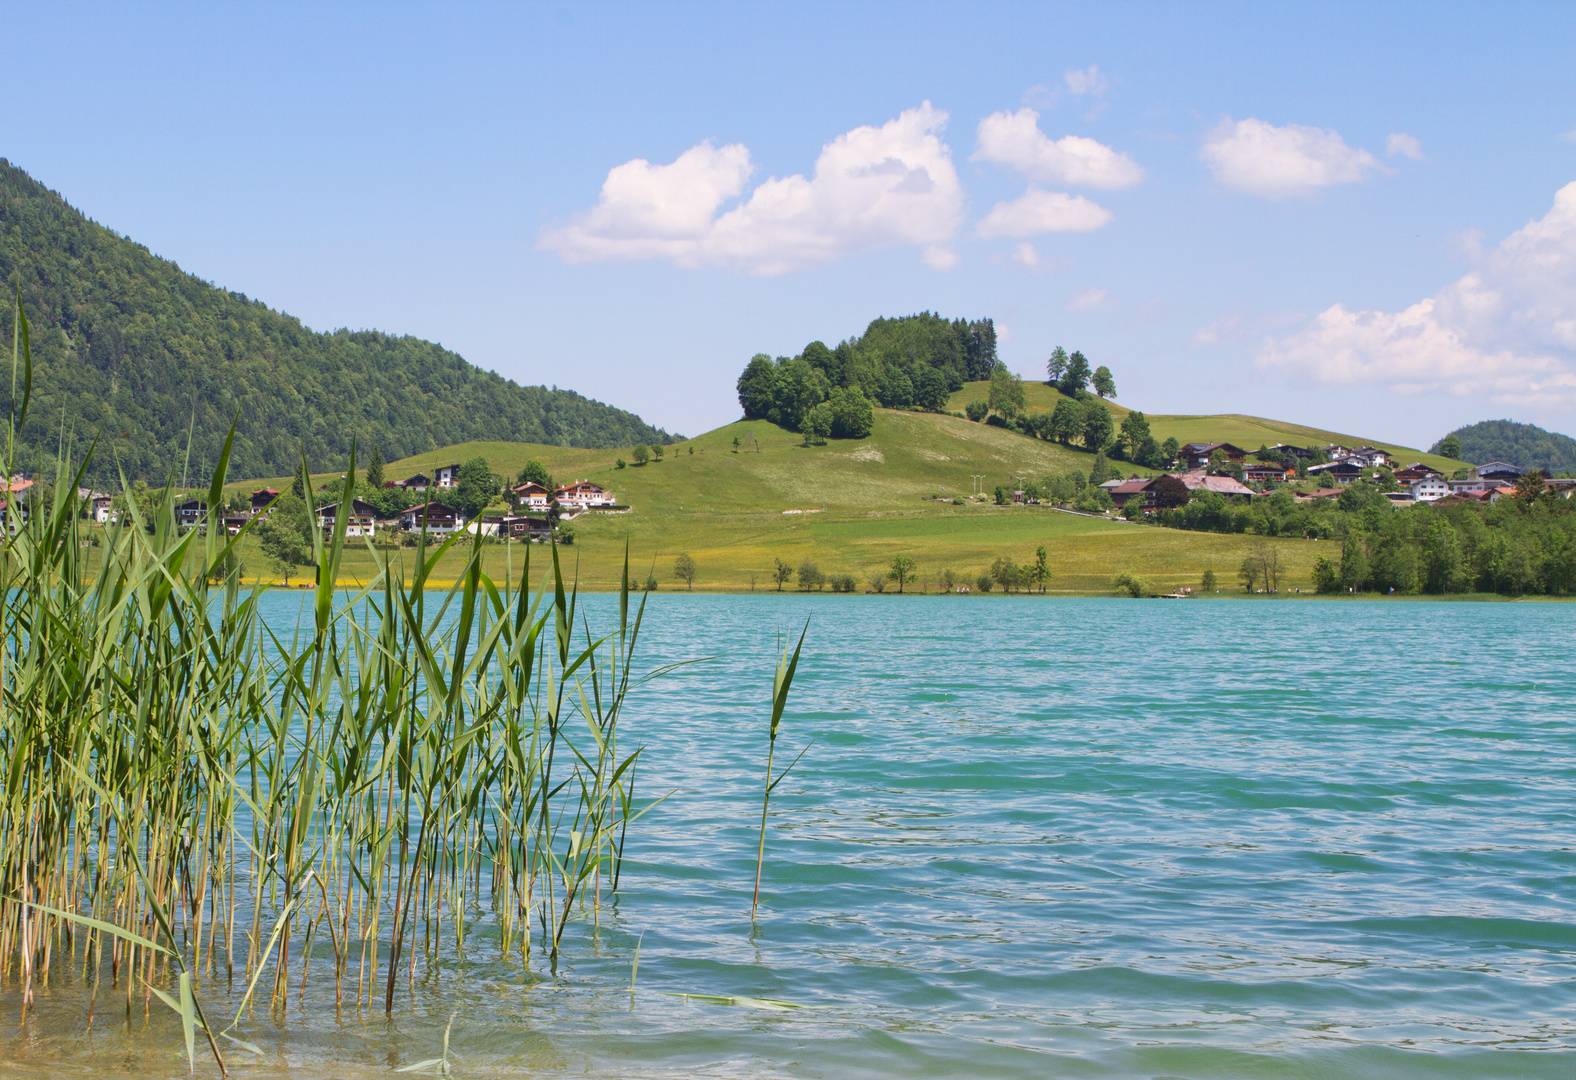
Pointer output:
x,y
902,571
684,570
1104,385
781,572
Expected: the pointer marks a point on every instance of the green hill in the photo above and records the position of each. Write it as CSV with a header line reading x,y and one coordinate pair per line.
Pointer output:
x,y
129,343
1525,446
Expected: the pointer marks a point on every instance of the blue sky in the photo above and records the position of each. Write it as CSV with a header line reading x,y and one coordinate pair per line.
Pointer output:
x,y
1348,216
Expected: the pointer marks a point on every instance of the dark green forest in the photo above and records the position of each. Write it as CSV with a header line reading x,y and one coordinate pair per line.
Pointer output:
x,y
127,343
911,362
1525,446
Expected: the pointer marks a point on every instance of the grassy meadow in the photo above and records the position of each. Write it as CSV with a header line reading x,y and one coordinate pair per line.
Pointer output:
x,y
859,505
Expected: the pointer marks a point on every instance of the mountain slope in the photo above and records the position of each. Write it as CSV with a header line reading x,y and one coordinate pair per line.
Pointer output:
x,y
1525,446
129,343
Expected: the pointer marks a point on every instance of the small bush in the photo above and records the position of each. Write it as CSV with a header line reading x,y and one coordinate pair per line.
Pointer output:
x,y
976,410
984,582
619,464
877,582
843,583
1131,584
957,500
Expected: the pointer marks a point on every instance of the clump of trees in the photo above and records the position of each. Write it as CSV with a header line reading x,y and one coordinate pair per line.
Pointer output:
x,y
912,362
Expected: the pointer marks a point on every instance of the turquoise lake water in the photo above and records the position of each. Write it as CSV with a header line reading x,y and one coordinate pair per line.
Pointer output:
x,y
1035,838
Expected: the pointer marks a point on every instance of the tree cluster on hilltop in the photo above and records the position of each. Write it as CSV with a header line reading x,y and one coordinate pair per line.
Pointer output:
x,y
128,344
1526,446
912,362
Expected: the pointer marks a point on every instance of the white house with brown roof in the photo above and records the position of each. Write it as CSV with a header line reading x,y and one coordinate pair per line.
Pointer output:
x,y
361,522
446,476
533,495
434,516
584,495
1430,488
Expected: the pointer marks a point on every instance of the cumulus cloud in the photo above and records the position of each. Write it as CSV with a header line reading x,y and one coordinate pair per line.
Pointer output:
x,y
1026,256
1087,81
872,187
1507,330
1014,139
1400,144
1043,212
1262,159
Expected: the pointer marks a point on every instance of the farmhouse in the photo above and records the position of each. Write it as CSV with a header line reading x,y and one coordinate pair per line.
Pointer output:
x,y
435,517
1341,472
1500,471
583,495
533,495
362,520
419,482
1429,489
447,475
1197,454
261,498
1268,473
189,514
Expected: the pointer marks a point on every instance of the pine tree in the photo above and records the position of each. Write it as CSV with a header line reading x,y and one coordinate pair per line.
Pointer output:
x,y
375,469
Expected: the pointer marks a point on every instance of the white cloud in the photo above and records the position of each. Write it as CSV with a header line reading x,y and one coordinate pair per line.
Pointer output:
x,y
1262,159
1223,328
1087,81
1015,139
1400,144
1087,299
1042,212
1507,330
873,187
1026,255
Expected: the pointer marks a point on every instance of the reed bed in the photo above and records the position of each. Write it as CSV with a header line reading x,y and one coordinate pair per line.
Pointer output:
x,y
191,793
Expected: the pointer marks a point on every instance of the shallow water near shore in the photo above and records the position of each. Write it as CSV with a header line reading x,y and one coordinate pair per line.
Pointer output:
x,y
1083,838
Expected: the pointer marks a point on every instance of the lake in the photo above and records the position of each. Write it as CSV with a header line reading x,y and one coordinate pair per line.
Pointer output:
x,y
1081,838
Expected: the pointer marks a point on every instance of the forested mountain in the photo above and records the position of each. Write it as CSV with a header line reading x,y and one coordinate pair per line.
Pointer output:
x,y
1525,446
916,360
129,343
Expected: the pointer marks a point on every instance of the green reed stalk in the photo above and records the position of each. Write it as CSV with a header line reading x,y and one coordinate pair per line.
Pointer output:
x,y
782,680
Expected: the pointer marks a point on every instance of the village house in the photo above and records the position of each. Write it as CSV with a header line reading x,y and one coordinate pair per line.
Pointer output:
x,y
1335,452
1429,489
583,495
97,505
435,517
261,498
533,496
362,520
419,482
1138,487
1220,485
1371,455
447,476
1496,472
190,514
520,526
1415,472
1268,473
1341,472
1197,455
1301,453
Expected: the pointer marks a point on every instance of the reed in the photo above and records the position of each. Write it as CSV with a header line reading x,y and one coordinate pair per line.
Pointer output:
x,y
190,793
782,682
